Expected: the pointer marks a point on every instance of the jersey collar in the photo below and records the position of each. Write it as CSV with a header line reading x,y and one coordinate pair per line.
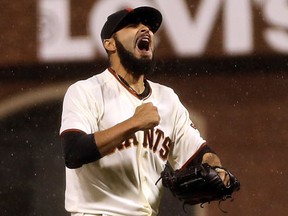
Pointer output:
x,y
144,95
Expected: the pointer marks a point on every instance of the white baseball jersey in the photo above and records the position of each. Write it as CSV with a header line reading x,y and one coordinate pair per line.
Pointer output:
x,y
123,182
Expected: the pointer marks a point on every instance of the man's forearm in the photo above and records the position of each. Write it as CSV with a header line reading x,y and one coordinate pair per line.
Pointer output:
x,y
109,139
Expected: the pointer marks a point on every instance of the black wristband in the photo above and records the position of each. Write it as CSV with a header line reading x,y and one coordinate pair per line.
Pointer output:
x,y
79,149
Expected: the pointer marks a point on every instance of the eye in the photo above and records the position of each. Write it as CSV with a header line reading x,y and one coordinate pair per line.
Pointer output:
x,y
149,27
132,25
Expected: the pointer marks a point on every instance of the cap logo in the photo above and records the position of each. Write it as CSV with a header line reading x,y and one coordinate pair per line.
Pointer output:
x,y
129,9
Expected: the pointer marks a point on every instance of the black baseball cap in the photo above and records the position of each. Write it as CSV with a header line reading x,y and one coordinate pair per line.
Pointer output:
x,y
146,15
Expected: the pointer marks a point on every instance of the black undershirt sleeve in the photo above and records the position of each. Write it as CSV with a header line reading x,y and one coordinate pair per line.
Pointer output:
x,y
79,149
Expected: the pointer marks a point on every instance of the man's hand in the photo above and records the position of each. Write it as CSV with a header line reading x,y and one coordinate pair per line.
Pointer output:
x,y
199,184
223,175
213,160
146,116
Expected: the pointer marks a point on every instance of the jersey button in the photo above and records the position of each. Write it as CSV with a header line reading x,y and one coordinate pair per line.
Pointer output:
x,y
145,154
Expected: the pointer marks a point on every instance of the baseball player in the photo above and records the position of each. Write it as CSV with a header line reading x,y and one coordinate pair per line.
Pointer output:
x,y
119,129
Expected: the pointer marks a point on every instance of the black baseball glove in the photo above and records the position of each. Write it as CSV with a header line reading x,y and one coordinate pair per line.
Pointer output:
x,y
199,184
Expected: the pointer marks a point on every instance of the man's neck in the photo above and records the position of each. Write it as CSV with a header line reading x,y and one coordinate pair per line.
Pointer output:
x,y
136,82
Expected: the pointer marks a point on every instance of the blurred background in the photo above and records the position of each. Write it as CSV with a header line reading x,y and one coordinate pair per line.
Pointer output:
x,y
226,59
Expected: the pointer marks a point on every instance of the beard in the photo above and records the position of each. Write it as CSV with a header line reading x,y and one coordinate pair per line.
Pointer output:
x,y
133,65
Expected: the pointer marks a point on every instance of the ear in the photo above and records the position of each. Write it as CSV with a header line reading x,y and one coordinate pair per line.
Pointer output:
x,y
109,44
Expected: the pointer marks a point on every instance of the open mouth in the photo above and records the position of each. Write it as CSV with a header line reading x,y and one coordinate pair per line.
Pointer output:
x,y
143,44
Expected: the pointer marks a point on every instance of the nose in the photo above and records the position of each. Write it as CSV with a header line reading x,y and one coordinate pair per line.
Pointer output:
x,y
144,28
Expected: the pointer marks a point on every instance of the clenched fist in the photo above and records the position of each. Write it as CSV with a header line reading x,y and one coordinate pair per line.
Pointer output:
x,y
146,116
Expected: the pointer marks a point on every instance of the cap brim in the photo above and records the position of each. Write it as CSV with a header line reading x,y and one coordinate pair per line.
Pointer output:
x,y
146,15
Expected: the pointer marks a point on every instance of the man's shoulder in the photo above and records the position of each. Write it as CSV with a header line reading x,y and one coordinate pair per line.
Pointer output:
x,y
93,81
161,87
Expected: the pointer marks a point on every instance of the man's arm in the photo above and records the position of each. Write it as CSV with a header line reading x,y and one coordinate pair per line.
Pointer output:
x,y
206,155
80,148
213,160
145,117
